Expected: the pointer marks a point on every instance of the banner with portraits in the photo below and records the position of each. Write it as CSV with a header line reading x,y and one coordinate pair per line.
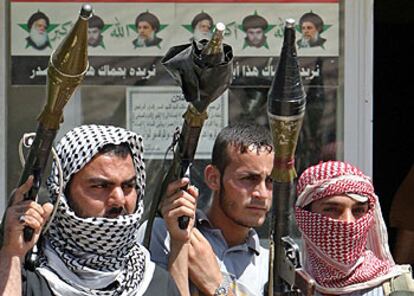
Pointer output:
x,y
128,39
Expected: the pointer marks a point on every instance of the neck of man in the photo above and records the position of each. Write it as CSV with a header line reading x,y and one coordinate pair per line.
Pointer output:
x,y
234,233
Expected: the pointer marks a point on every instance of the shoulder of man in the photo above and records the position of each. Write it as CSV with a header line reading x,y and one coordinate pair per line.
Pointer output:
x,y
400,285
33,284
162,284
159,247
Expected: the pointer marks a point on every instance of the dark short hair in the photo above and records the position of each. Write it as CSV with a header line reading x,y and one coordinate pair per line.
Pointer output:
x,y
96,22
314,19
149,18
254,21
240,136
200,17
37,16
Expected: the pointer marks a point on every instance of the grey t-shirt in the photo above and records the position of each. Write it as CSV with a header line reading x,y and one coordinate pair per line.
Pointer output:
x,y
244,266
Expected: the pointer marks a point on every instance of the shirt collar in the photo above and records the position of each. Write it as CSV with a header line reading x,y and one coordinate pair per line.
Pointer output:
x,y
252,240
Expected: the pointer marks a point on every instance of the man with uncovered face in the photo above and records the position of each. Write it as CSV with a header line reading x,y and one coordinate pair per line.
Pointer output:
x,y
224,252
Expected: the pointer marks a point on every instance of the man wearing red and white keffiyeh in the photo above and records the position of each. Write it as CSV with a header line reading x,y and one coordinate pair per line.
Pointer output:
x,y
344,235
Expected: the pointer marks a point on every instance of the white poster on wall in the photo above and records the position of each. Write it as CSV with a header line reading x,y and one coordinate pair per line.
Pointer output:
x,y
155,112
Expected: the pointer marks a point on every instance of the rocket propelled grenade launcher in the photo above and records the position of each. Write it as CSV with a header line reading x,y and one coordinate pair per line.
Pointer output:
x,y
67,67
286,109
204,71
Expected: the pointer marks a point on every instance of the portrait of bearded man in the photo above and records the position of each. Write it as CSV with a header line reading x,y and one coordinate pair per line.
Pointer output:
x,y
147,26
311,27
38,37
201,25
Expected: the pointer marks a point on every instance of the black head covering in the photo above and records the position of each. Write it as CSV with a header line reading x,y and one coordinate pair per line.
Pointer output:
x,y
37,16
254,21
314,19
149,18
199,17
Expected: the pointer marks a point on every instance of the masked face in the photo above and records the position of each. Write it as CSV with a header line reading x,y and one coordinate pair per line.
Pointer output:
x,y
338,214
342,241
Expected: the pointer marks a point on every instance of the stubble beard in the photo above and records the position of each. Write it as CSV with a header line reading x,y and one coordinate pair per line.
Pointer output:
x,y
226,207
94,42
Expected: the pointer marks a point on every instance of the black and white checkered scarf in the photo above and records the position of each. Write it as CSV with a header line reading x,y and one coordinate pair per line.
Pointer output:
x,y
94,256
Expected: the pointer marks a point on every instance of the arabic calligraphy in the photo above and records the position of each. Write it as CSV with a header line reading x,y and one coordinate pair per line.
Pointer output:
x,y
309,74
156,119
145,73
242,70
61,31
279,28
120,31
108,71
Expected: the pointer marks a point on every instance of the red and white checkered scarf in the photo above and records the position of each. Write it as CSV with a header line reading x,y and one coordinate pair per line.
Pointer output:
x,y
342,256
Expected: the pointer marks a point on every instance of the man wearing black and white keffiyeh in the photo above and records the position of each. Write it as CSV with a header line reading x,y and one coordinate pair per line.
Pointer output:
x,y
90,247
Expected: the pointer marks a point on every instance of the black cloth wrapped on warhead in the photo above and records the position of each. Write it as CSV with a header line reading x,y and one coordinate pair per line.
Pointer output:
x,y
201,78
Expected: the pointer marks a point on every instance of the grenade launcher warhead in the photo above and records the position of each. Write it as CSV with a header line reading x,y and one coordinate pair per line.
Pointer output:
x,y
67,68
286,109
204,70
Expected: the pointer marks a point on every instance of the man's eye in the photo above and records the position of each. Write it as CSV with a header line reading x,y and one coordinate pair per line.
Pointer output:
x,y
253,177
360,210
129,185
329,210
99,186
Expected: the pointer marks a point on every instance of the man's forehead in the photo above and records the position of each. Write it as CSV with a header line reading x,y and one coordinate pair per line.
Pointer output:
x,y
144,23
100,163
344,199
254,30
41,20
308,23
203,21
